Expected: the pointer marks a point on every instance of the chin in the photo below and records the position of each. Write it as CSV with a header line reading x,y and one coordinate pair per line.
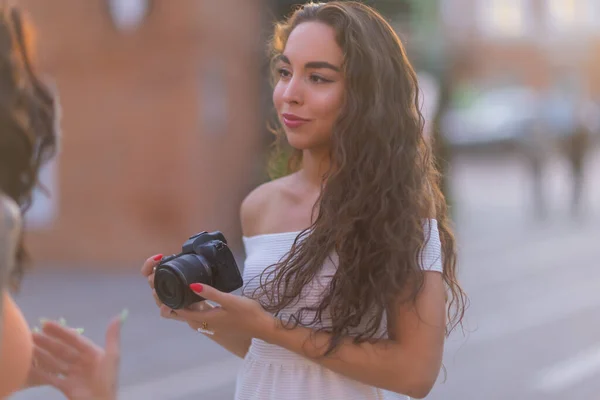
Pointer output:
x,y
299,142
304,142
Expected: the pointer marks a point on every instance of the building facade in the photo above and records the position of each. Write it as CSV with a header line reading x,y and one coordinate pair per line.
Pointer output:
x,y
532,41
162,128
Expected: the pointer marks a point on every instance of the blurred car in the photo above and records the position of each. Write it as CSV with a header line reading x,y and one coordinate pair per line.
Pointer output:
x,y
494,119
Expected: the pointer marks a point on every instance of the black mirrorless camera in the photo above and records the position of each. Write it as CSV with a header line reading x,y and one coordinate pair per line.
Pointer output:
x,y
204,258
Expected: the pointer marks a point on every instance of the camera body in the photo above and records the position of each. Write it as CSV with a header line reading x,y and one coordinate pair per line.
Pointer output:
x,y
204,258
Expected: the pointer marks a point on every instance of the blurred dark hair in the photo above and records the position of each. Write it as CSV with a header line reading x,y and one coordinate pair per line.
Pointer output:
x,y
27,118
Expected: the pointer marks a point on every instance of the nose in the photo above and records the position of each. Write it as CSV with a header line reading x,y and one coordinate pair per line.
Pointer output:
x,y
293,92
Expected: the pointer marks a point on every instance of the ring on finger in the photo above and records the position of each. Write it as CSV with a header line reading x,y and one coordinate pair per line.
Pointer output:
x,y
204,329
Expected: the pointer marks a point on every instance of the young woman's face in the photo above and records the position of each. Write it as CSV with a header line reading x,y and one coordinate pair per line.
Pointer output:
x,y
309,94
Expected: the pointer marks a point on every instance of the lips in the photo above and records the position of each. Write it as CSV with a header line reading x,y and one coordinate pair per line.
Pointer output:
x,y
293,121
293,117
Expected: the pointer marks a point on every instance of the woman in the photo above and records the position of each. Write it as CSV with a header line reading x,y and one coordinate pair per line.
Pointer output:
x,y
58,356
350,259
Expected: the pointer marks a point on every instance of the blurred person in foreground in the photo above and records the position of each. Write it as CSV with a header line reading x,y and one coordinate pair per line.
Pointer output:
x,y
350,276
58,355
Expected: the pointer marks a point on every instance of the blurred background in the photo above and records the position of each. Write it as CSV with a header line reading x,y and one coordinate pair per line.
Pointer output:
x,y
164,104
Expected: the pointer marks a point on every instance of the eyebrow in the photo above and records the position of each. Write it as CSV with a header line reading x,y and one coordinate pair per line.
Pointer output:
x,y
311,64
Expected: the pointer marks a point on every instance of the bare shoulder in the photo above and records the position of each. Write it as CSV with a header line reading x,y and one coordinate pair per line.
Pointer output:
x,y
258,202
10,230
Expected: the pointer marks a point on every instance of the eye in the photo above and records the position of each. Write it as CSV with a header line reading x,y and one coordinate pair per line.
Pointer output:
x,y
318,79
283,73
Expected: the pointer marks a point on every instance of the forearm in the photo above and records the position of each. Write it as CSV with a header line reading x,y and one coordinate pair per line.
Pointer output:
x,y
3,288
384,364
10,228
237,345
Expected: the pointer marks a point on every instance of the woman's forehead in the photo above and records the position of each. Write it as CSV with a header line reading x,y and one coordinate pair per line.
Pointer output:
x,y
313,41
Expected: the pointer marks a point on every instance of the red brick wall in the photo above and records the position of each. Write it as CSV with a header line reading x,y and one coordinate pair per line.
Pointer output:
x,y
138,170
521,60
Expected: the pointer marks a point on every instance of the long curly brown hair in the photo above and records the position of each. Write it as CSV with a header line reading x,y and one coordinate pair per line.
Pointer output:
x,y
374,200
27,118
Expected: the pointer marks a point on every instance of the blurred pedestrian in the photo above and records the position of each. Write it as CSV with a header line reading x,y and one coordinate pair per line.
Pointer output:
x,y
442,150
575,147
570,117
534,148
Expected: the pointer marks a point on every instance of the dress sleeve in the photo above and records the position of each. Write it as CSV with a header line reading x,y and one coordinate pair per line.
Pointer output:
x,y
431,255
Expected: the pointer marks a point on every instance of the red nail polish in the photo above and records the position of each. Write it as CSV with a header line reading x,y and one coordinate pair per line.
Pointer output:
x,y
196,287
157,257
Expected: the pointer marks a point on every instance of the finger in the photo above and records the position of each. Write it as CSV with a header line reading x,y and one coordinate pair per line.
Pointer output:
x,y
168,313
37,376
200,306
212,294
57,349
151,280
49,378
113,338
198,315
49,363
71,337
156,298
150,263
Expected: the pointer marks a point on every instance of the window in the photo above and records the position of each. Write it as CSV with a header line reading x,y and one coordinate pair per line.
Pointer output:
x,y
564,15
568,17
505,18
128,15
593,14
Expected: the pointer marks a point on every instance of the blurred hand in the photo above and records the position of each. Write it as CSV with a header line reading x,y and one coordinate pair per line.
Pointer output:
x,y
76,366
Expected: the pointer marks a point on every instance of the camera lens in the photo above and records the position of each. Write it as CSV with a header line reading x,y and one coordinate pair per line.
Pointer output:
x,y
169,287
172,280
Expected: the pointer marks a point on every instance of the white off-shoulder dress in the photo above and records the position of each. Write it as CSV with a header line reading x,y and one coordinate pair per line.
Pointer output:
x,y
271,372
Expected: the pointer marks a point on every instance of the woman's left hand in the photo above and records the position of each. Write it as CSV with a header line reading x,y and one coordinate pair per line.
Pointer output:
x,y
235,315
76,366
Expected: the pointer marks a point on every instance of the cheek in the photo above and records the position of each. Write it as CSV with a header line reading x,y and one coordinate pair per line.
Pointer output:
x,y
330,105
278,96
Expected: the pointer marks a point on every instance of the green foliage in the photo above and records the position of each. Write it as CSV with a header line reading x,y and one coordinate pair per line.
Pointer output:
x,y
278,164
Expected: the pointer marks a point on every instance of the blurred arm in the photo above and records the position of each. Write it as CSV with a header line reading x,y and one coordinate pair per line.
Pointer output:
x,y
10,228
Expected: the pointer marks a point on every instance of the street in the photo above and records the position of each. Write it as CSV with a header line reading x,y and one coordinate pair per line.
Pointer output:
x,y
532,330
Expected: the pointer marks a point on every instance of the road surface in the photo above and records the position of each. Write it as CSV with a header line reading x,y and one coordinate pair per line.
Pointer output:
x,y
532,331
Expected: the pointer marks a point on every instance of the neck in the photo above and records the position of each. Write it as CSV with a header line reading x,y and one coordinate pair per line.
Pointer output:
x,y
315,164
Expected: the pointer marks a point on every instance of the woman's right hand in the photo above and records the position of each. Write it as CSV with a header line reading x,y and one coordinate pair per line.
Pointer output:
x,y
166,312
148,273
236,345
